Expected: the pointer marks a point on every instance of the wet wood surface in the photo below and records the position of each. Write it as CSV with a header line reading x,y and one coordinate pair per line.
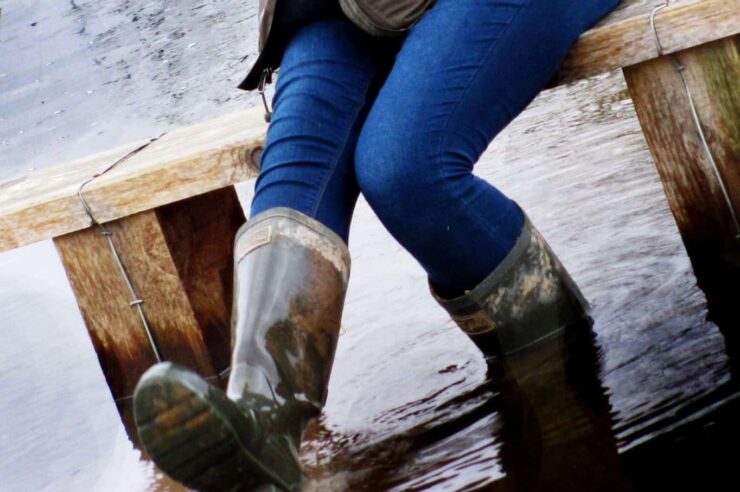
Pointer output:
x,y
184,163
179,261
694,193
218,153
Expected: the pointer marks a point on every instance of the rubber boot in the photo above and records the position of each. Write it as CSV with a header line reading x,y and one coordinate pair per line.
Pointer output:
x,y
528,298
291,276
531,320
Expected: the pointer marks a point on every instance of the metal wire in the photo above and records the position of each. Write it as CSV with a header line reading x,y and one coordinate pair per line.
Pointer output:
x,y
652,25
265,78
136,301
681,69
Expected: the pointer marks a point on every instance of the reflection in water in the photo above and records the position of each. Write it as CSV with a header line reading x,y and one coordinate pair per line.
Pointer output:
x,y
539,421
459,435
557,430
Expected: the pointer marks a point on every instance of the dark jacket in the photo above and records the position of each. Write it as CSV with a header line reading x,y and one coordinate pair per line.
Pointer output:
x,y
278,20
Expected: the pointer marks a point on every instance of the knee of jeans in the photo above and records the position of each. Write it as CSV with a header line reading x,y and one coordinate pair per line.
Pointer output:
x,y
395,176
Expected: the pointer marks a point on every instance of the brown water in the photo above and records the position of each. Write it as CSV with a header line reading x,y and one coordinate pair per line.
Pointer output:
x,y
648,403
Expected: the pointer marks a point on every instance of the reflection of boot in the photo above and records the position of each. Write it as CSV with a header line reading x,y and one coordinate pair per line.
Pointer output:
x,y
528,298
567,442
291,276
556,417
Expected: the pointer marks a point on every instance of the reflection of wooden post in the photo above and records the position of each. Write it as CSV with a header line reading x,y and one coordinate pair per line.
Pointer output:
x,y
703,217
179,258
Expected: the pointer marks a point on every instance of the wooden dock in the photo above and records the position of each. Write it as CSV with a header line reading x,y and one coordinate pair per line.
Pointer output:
x,y
172,209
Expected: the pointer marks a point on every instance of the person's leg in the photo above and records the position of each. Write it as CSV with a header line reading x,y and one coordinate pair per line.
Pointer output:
x,y
291,267
328,79
462,74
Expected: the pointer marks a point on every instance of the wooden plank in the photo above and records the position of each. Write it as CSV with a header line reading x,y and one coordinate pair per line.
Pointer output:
x,y
179,259
624,38
632,8
200,234
694,193
114,327
184,163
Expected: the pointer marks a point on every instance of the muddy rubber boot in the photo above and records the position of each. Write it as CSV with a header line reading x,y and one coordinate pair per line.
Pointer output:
x,y
528,298
291,276
530,317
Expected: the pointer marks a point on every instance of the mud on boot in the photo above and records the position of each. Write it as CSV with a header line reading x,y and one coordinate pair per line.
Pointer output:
x,y
527,299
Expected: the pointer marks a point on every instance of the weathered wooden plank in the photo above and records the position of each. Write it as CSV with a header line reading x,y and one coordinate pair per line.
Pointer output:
x,y
631,8
179,261
184,163
694,193
624,38
200,235
114,327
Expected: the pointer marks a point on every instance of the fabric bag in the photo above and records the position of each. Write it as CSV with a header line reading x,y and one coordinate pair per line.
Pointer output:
x,y
385,17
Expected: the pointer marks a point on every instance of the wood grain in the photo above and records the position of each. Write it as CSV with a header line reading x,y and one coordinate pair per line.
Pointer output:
x,y
694,193
114,327
184,163
624,38
179,261
200,235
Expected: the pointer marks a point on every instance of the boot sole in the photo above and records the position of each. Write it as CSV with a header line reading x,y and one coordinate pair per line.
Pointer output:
x,y
195,434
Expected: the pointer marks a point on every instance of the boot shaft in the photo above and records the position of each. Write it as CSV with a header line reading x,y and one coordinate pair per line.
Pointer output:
x,y
527,298
291,275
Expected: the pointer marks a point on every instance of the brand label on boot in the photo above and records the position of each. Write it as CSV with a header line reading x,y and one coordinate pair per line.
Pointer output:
x,y
476,323
253,240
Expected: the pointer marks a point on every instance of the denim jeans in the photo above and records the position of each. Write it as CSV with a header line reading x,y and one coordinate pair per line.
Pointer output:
x,y
404,120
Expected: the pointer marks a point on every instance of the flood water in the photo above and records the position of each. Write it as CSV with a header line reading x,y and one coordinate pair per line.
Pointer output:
x,y
649,402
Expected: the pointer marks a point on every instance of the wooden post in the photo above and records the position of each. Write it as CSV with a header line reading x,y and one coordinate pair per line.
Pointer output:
x,y
712,72
179,258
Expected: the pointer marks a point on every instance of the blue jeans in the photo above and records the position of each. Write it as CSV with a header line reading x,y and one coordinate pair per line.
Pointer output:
x,y
403,121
